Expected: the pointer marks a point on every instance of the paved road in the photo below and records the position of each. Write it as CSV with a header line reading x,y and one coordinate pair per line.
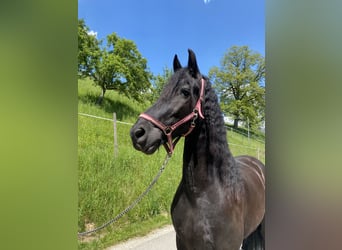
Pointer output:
x,y
161,239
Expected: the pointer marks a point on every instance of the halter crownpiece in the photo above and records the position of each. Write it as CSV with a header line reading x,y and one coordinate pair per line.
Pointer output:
x,y
167,130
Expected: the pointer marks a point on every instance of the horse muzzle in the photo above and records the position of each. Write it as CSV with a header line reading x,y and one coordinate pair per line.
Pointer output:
x,y
146,137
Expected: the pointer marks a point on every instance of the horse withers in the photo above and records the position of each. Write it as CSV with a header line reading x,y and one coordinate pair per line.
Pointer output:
x,y
220,201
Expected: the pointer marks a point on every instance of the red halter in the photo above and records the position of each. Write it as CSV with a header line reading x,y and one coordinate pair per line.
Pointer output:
x,y
170,144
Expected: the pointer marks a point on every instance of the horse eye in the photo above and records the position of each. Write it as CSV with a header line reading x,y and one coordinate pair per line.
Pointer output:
x,y
185,92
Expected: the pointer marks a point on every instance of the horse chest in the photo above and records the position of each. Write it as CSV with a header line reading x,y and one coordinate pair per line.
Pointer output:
x,y
202,223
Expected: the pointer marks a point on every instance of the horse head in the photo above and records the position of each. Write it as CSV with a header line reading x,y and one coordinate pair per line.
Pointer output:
x,y
176,111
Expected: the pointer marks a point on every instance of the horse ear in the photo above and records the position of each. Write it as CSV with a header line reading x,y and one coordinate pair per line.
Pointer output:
x,y
192,63
176,64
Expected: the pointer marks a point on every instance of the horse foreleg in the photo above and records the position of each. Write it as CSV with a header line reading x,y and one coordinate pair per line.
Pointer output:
x,y
180,245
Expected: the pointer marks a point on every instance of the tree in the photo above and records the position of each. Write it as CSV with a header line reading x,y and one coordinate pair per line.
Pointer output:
x,y
88,50
240,84
158,83
117,66
122,68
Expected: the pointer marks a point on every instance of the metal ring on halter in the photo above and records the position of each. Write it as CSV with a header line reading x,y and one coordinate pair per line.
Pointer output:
x,y
167,130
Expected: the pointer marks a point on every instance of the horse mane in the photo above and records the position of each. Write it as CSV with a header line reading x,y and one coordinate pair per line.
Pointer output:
x,y
219,154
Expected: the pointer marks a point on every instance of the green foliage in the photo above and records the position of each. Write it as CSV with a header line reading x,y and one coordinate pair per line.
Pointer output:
x,y
108,184
158,83
88,50
117,66
122,68
239,83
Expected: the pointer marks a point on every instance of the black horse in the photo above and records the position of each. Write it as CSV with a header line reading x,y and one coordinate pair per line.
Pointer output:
x,y
220,201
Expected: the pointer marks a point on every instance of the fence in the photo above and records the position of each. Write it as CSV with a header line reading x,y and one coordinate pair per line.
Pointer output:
x,y
115,121
244,134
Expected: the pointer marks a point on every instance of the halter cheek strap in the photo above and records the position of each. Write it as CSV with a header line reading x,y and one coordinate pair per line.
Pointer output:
x,y
167,130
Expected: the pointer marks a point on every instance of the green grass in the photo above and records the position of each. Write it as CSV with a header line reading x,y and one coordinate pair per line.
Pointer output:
x,y
108,184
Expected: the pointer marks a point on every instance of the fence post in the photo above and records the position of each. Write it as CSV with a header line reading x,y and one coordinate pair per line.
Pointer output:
x,y
248,127
115,136
258,152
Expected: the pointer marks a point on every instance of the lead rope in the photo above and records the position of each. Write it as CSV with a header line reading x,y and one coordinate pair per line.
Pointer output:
x,y
134,203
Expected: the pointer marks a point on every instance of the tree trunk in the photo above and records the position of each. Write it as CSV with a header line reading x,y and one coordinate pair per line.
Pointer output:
x,y
236,123
100,99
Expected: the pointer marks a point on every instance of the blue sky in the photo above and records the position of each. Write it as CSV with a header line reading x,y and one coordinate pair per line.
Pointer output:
x,y
163,28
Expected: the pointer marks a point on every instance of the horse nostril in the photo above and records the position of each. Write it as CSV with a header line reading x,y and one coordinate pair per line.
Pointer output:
x,y
139,132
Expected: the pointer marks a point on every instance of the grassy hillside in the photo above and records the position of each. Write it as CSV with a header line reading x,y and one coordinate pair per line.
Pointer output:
x,y
108,184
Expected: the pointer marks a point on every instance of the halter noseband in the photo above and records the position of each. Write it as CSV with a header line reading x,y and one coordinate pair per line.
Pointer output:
x,y
167,130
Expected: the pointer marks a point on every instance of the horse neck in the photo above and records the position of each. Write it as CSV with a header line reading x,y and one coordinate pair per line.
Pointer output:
x,y
206,157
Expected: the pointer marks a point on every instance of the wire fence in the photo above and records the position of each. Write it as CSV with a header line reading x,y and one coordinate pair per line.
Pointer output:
x,y
244,134
114,120
103,118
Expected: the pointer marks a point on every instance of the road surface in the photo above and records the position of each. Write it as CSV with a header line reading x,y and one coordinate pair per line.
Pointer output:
x,y
161,239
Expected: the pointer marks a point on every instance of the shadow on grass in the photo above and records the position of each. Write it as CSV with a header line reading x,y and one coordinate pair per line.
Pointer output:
x,y
123,111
